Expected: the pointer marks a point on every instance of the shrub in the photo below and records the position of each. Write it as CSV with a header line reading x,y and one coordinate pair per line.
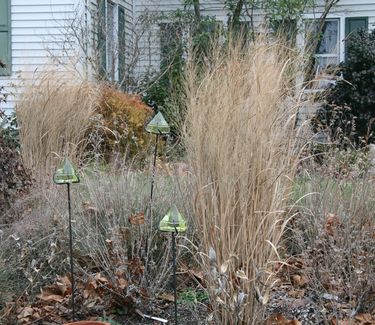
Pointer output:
x,y
14,178
348,111
122,118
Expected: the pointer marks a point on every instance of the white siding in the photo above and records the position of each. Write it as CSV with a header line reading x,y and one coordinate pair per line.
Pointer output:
x,y
38,27
351,8
150,43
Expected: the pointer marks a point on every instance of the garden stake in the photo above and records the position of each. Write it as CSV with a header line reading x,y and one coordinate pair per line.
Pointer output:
x,y
174,273
154,169
71,250
66,174
173,222
158,126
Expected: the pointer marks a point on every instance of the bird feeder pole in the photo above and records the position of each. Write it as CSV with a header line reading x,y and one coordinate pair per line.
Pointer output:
x,y
173,222
66,174
158,126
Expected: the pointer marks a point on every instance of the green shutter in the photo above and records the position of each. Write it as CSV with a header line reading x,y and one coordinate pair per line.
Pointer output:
x,y
121,43
102,40
5,52
355,24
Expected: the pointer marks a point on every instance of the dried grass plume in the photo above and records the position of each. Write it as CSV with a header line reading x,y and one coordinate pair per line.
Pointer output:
x,y
241,144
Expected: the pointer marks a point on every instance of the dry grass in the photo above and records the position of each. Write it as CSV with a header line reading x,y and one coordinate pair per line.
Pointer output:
x,y
240,141
54,114
105,238
334,233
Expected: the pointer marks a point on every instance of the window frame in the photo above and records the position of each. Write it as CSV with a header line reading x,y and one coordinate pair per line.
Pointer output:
x,y
111,44
342,18
338,53
7,71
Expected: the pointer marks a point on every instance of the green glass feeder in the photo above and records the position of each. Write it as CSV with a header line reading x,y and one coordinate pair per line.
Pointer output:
x,y
65,173
158,125
173,221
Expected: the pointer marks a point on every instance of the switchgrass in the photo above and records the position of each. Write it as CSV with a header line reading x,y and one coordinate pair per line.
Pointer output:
x,y
241,144
54,114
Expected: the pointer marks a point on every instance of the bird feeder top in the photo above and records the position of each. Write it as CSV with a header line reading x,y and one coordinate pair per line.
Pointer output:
x,y
173,221
158,125
65,173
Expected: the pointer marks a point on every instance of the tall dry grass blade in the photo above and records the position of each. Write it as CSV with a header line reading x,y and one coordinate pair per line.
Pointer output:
x,y
54,114
241,143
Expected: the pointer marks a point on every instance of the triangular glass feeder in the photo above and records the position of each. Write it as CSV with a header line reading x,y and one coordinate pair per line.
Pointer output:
x,y
65,174
158,125
173,221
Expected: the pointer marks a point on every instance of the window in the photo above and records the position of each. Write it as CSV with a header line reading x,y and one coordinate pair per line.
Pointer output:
x,y
111,40
5,52
328,52
354,24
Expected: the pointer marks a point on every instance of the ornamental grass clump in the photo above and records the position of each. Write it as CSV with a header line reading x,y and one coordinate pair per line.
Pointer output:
x,y
54,114
241,144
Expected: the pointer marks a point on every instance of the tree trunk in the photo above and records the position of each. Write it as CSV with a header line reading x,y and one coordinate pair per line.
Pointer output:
x,y
317,39
234,21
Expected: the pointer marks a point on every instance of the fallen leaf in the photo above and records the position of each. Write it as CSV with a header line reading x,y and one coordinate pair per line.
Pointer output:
x,y
365,319
55,298
137,219
298,293
332,223
279,319
100,278
166,296
25,312
300,280
122,283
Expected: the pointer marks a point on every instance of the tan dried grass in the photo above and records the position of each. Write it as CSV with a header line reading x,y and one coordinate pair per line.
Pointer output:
x,y
241,144
54,114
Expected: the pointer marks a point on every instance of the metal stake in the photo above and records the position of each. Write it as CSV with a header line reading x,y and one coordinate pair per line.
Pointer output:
x,y
148,240
174,273
71,251
153,172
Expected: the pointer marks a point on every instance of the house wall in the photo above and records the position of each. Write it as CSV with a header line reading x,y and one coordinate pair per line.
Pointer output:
x,y
149,44
344,9
38,29
352,8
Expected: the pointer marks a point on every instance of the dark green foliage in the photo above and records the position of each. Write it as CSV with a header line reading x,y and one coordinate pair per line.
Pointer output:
x,y
349,111
13,177
9,130
165,91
